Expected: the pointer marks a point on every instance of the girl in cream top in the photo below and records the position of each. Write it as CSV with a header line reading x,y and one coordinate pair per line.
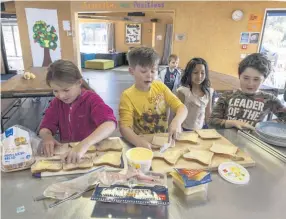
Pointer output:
x,y
196,94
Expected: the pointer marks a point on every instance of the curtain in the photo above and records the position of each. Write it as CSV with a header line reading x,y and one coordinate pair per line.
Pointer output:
x,y
167,44
110,36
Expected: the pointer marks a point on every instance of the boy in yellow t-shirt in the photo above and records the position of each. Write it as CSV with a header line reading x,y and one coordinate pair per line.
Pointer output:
x,y
142,108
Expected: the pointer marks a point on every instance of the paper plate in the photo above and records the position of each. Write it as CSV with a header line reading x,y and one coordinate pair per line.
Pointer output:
x,y
234,173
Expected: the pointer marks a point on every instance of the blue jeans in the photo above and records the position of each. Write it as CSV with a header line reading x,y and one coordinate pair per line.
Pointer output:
x,y
188,130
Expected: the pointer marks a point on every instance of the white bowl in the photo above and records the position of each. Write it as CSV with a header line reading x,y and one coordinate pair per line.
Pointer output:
x,y
140,158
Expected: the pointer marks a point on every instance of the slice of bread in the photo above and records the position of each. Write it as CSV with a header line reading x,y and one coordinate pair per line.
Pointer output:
x,y
85,163
110,144
203,156
171,155
91,148
59,150
46,165
219,148
110,158
208,134
188,137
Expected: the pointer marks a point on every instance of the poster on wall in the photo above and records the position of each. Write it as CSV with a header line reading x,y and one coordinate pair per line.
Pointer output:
x,y
254,22
43,31
244,38
133,34
254,38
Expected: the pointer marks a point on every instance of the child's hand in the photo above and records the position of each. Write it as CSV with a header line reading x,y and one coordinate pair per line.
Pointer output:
x,y
174,129
238,124
49,143
75,154
145,144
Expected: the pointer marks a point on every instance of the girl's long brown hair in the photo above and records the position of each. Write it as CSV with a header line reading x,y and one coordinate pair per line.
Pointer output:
x,y
65,71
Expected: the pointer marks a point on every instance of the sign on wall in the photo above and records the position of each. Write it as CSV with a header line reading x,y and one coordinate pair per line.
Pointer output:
x,y
43,31
133,34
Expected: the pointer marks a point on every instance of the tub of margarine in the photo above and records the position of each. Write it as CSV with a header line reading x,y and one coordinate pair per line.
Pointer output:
x,y
140,158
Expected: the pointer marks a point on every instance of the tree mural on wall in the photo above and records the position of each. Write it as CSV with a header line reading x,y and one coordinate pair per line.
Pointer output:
x,y
47,38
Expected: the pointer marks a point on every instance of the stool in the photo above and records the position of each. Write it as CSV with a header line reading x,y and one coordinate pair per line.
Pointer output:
x,y
99,64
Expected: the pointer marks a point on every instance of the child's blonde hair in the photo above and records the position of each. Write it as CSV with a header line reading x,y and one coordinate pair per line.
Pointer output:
x,y
65,71
173,56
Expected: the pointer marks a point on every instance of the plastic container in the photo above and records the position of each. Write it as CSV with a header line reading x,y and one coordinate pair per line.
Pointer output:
x,y
140,158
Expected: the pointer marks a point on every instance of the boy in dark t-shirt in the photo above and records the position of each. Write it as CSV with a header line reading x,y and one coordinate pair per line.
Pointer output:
x,y
248,105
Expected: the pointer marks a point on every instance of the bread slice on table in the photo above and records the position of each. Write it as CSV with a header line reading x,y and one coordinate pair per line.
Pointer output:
x,y
110,158
171,155
59,150
219,148
159,141
208,134
188,137
203,156
91,148
110,144
85,163
46,165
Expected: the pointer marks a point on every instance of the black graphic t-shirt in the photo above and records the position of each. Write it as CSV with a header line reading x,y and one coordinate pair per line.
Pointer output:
x,y
250,108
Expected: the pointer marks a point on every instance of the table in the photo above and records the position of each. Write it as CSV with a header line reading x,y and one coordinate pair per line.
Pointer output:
x,y
264,197
18,87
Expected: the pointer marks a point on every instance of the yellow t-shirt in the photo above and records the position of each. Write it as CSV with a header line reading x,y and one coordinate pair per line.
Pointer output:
x,y
145,111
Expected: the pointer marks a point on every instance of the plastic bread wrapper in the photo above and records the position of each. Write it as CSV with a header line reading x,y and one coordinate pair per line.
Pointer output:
x,y
19,146
63,190
132,177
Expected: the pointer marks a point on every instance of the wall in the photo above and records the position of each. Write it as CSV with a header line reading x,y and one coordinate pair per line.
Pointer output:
x,y
211,33
64,13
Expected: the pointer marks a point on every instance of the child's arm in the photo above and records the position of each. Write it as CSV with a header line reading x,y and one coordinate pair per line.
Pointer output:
x,y
49,127
218,117
181,96
181,113
126,123
278,109
176,124
209,107
101,132
48,141
133,138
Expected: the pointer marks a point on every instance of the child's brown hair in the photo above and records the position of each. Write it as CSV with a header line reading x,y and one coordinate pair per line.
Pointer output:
x,y
65,71
143,56
171,57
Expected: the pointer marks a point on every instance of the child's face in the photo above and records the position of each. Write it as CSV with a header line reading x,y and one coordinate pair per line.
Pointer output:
x,y
66,92
198,74
144,76
174,63
250,80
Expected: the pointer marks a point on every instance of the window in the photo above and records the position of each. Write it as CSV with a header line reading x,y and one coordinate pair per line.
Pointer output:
x,y
273,44
93,37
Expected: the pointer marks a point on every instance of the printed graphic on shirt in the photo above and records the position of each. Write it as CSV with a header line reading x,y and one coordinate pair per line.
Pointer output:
x,y
246,110
153,118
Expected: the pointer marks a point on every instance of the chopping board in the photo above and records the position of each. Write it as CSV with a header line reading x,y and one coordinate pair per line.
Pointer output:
x,y
160,166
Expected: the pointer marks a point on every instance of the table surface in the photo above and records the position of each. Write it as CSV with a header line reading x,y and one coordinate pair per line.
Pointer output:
x,y
18,84
263,197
